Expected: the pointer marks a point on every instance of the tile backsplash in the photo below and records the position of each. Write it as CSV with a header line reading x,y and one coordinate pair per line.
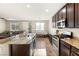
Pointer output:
x,y
74,30
53,30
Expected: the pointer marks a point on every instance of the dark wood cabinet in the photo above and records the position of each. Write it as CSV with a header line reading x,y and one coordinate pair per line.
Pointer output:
x,y
64,49
60,15
57,18
19,49
50,38
77,15
70,15
74,51
53,21
64,12
70,12
22,49
73,54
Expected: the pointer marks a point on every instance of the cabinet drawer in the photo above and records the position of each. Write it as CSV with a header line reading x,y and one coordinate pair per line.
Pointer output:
x,y
73,54
65,44
75,50
64,51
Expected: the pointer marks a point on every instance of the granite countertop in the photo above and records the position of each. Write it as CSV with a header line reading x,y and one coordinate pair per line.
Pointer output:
x,y
25,40
7,34
73,42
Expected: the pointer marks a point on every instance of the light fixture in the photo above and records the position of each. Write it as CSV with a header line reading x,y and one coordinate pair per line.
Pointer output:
x,y
28,6
46,10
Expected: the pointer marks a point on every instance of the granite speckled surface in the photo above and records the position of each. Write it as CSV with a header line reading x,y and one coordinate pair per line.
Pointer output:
x,y
73,42
24,40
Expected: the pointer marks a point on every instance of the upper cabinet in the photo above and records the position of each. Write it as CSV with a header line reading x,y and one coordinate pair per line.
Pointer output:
x,y
64,12
77,15
70,15
53,22
70,12
60,15
57,17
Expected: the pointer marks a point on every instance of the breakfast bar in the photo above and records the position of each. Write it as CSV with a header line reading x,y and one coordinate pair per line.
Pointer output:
x,y
18,46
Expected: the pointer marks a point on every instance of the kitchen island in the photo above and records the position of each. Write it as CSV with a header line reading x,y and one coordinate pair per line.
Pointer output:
x,y
22,40
22,46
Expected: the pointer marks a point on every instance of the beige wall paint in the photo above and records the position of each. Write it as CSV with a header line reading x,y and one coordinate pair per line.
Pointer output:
x,y
8,25
33,23
25,25
53,30
4,50
2,25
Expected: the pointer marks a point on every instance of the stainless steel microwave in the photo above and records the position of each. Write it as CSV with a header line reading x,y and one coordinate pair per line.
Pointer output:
x,y
61,23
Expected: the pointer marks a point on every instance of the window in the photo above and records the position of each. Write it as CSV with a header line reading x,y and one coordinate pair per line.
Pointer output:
x,y
15,26
39,26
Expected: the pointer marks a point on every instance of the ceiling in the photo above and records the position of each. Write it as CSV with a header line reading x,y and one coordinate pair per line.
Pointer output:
x,y
35,11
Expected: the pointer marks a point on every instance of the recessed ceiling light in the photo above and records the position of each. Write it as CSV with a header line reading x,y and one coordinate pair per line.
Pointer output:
x,y
28,6
46,10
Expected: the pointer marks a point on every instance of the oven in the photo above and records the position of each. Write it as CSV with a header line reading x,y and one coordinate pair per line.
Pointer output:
x,y
55,44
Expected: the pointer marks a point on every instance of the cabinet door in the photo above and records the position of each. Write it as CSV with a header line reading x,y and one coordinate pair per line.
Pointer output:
x,y
57,19
19,50
64,51
60,14
53,21
77,15
57,16
70,15
50,38
74,51
64,13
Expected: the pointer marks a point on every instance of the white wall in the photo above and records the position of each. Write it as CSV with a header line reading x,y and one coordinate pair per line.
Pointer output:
x,y
2,25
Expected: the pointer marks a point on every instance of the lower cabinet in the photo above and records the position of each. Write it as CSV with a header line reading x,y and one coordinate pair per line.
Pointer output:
x,y
64,49
74,51
74,54
22,49
19,50
50,38
67,49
